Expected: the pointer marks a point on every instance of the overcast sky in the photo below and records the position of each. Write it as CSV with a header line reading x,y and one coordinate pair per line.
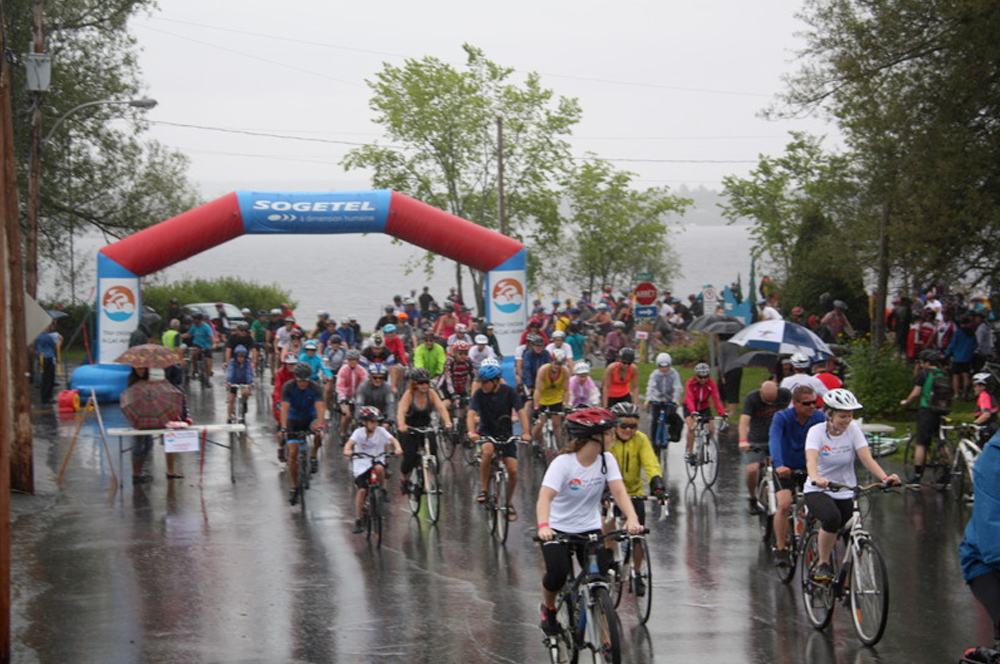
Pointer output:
x,y
669,90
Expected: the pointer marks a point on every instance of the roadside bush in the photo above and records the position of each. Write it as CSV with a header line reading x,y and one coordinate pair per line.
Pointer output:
x,y
224,289
697,351
879,377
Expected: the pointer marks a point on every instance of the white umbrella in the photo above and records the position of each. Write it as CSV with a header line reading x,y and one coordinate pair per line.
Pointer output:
x,y
782,336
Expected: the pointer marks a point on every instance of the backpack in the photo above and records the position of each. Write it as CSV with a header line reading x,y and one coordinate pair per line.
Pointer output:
x,y
939,393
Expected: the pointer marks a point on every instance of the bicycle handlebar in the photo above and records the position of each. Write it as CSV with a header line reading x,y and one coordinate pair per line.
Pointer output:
x,y
858,489
621,533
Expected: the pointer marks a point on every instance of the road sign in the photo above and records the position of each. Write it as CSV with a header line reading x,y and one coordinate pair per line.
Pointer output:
x,y
645,293
645,312
643,276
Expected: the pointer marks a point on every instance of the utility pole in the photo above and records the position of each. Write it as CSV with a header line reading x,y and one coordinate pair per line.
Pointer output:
x,y
35,163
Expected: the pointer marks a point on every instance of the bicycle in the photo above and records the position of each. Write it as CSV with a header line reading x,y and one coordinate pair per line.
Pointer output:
x,y
585,610
798,517
374,507
706,452
939,456
861,580
423,480
548,448
639,578
303,472
239,408
498,490
661,430
967,450
453,438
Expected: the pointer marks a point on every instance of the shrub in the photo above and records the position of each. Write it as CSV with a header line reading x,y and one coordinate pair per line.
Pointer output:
x,y
879,377
697,351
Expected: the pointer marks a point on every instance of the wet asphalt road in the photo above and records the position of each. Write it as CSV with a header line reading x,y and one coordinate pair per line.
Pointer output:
x,y
219,572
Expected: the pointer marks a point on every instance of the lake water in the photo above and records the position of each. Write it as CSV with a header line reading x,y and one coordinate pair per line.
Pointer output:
x,y
359,274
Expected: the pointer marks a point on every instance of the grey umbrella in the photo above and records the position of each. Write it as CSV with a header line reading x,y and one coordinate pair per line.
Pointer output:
x,y
716,324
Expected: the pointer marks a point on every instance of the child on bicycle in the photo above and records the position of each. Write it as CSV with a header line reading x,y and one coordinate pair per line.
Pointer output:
x,y
374,440
239,371
569,501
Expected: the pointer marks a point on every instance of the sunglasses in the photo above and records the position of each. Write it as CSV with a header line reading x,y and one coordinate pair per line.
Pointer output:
x,y
808,403
423,382
628,426
378,377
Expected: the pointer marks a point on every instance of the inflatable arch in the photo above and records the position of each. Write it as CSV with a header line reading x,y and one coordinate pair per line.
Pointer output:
x,y
120,266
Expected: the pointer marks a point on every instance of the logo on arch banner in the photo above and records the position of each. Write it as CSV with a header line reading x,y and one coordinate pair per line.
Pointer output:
x,y
508,295
119,303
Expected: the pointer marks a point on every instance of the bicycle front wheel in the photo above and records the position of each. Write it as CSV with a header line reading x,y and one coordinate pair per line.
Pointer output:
x,y
817,597
415,484
375,518
869,593
691,467
642,582
787,572
433,489
908,452
303,473
962,478
608,648
501,502
469,452
764,518
448,440
622,568
710,461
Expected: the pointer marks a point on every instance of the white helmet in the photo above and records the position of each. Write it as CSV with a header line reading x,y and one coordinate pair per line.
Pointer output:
x,y
481,339
490,362
800,361
558,356
841,399
461,328
981,378
664,360
581,367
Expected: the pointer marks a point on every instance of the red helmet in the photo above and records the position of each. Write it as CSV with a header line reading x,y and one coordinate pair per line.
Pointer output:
x,y
461,346
798,311
586,422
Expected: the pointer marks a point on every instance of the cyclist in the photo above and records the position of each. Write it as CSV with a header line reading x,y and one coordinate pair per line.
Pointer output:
x,y
701,393
551,395
759,408
259,331
310,355
374,440
334,356
221,321
346,332
430,356
461,335
801,376
481,350
663,392
615,341
980,548
375,392
831,448
576,341
569,501
349,379
238,372
282,376
635,456
397,349
986,407
295,342
559,342
583,391
621,380
283,336
533,359
202,337
414,410
493,403
274,323
302,410
928,420
458,374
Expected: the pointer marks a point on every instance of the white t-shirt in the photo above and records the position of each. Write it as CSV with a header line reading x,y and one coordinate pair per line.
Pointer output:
x,y
519,351
375,445
566,348
770,313
476,356
576,507
793,381
836,455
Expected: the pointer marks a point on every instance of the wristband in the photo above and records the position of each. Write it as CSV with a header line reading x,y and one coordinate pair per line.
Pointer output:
x,y
885,479
744,440
543,525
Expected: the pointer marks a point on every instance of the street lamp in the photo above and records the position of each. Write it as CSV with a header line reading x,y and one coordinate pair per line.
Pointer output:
x,y
34,177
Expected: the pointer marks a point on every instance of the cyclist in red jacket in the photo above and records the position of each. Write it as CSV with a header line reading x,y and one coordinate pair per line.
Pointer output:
x,y
700,394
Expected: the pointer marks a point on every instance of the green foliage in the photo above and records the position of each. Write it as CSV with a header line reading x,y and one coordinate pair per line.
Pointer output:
x,y
615,229
223,289
879,377
694,353
445,122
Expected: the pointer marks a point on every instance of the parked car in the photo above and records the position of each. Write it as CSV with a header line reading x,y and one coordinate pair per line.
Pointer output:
x,y
209,311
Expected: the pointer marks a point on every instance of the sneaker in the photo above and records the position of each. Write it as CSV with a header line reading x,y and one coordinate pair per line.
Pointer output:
x,y
357,526
639,586
281,453
913,482
754,507
823,573
690,458
782,558
293,497
550,624
313,465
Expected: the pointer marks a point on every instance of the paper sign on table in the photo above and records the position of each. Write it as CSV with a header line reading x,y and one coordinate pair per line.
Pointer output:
x,y
181,441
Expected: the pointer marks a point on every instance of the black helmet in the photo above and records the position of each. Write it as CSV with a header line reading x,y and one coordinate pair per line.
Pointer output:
x,y
301,371
420,375
626,355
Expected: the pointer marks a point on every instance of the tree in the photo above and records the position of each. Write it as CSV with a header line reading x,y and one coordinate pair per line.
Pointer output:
x,y
98,174
440,124
615,230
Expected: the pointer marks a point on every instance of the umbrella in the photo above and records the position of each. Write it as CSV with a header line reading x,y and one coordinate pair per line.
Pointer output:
x,y
151,404
716,324
759,358
781,336
149,356
53,313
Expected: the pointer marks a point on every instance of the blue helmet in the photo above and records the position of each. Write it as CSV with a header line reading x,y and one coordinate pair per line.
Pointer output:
x,y
240,350
489,372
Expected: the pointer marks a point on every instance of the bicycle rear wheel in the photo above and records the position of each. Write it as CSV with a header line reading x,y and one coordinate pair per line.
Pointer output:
x,y
764,518
908,452
433,489
551,446
469,451
710,461
608,646
787,572
869,593
500,505
643,580
962,478
415,482
303,474
817,597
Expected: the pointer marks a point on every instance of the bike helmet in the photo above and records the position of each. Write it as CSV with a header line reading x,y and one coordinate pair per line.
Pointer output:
x,y
295,334
243,325
841,399
353,354
461,328
798,311
335,339
389,328
311,345
275,312
625,409
245,311
323,314
664,360
301,371
626,355
840,304
370,414
428,334
489,370
930,355
558,356
581,367
589,421
981,378
602,307
799,361
534,339
619,325
261,312
702,370
378,369
402,315
240,350
482,339
219,304
558,334
490,362
289,319
420,375
461,347
198,315
291,358
377,339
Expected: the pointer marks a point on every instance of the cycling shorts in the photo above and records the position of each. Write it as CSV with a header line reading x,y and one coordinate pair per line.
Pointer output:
x,y
361,481
505,450
756,454
639,505
792,482
551,408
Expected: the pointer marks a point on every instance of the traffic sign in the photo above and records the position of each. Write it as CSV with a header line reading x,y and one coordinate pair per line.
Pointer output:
x,y
645,312
643,276
645,293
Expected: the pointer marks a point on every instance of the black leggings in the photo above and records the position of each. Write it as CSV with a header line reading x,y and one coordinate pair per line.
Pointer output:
x,y
986,588
831,513
559,565
412,444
